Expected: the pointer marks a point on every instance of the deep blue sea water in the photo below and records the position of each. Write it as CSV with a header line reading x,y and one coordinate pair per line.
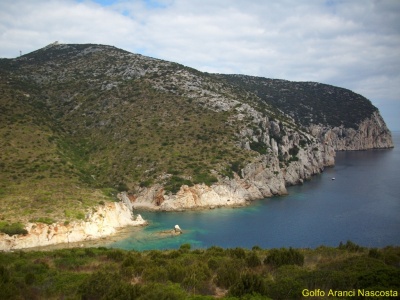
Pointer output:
x,y
362,204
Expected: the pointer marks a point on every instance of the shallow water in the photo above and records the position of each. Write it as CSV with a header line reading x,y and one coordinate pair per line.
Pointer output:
x,y
362,204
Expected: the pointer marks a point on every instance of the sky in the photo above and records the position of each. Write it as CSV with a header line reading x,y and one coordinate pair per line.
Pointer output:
x,y
353,44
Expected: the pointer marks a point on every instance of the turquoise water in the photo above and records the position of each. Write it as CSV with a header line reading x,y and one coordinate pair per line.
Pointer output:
x,y
362,204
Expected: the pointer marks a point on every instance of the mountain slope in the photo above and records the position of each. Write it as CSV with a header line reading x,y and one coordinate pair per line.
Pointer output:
x,y
81,122
308,102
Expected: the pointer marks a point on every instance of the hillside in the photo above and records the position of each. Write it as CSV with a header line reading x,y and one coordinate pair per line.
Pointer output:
x,y
80,123
308,102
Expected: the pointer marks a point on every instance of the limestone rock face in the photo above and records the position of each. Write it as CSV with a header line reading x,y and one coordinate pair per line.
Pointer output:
x,y
372,133
100,223
296,157
263,178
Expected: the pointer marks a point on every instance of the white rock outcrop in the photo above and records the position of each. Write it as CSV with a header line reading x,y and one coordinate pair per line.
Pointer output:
x,y
104,221
372,133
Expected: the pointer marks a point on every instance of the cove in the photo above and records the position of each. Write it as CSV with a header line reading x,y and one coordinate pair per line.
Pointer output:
x,y
362,204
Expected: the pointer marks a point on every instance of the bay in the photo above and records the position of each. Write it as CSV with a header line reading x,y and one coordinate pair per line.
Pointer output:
x,y
362,204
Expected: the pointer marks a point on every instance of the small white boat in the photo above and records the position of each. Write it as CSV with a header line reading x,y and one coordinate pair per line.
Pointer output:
x,y
333,178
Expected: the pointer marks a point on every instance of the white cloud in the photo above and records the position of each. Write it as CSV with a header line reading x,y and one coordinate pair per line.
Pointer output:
x,y
353,44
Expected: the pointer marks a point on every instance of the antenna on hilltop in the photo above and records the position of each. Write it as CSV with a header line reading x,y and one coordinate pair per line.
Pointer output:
x,y
20,53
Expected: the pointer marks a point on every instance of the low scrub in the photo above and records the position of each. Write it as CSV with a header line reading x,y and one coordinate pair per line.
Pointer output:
x,y
185,273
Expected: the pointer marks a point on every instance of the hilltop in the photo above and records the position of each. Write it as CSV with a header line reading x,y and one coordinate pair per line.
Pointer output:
x,y
81,123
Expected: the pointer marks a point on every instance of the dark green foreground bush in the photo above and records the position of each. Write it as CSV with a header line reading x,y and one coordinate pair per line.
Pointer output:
x,y
101,273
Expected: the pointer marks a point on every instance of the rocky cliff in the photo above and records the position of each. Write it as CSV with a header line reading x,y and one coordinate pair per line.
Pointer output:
x,y
371,133
101,222
297,157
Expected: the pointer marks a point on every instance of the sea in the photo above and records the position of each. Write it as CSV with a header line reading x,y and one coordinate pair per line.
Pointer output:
x,y
358,200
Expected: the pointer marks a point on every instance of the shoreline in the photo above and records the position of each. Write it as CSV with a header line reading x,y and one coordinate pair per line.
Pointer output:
x,y
105,222
120,234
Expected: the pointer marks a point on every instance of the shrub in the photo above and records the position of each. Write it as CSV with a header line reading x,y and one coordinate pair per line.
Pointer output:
x,y
205,178
350,246
116,255
303,143
237,253
185,247
260,147
13,229
253,260
155,274
248,284
227,275
163,291
213,264
44,220
286,288
122,187
146,183
374,253
280,257
105,285
294,151
176,272
174,184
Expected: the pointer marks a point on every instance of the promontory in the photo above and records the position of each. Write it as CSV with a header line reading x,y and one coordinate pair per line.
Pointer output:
x,y
91,132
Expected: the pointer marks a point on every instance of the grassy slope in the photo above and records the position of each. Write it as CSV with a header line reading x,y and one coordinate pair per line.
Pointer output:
x,y
67,143
38,178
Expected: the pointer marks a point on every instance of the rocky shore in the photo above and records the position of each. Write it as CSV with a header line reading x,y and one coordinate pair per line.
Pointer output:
x,y
102,222
269,175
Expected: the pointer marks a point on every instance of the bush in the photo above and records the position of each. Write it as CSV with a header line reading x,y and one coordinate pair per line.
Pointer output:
x,y
286,288
44,220
374,253
205,178
253,260
237,253
146,183
185,247
227,275
155,274
13,229
280,257
174,184
248,284
353,247
116,255
104,285
162,292
176,272
260,147
213,264
294,151
122,187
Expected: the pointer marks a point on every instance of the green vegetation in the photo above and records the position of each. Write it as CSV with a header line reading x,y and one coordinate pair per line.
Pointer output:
x,y
308,102
260,147
281,257
101,273
12,229
68,143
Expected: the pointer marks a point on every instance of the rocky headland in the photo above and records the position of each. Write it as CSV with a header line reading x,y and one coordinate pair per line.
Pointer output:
x,y
271,173
85,120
